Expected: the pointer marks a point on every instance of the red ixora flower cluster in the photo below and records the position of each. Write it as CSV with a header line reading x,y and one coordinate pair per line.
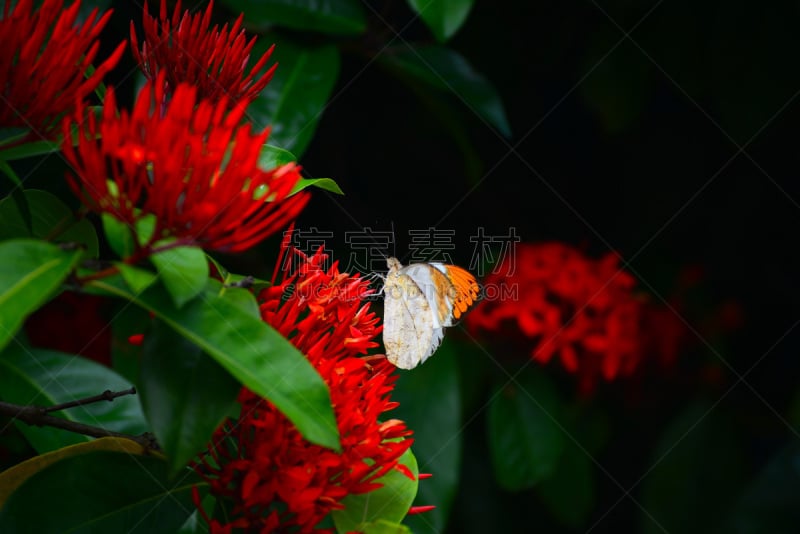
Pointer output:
x,y
563,304
276,480
187,161
212,60
44,63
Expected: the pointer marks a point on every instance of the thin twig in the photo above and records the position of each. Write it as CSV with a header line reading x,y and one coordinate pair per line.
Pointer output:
x,y
37,416
107,395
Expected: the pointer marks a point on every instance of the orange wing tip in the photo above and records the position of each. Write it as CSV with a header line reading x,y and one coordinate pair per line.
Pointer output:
x,y
466,287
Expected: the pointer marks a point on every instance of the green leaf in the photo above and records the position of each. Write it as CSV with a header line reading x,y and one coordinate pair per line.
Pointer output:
x,y
242,298
15,476
524,437
31,271
389,503
382,526
44,377
50,219
252,351
11,135
184,271
101,491
196,524
335,17
128,321
27,150
430,403
185,394
770,502
137,279
271,157
9,172
119,236
323,183
443,17
24,210
700,446
294,100
446,70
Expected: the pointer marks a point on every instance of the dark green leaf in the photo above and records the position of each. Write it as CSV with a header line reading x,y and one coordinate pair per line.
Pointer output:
x,y
698,446
119,236
44,378
389,503
128,321
24,210
336,17
87,8
323,183
294,100
137,279
449,114
771,503
252,351
12,135
184,272
430,403
272,157
36,148
570,492
31,271
9,172
196,524
446,70
50,219
443,17
525,440
101,491
185,394
13,477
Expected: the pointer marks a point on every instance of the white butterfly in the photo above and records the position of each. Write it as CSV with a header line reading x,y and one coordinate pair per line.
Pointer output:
x,y
420,300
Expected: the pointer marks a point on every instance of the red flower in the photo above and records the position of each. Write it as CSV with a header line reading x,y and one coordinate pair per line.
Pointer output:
x,y
189,163
212,60
44,61
581,310
276,480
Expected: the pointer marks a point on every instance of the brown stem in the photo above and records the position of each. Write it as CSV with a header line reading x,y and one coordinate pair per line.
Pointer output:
x,y
107,395
38,416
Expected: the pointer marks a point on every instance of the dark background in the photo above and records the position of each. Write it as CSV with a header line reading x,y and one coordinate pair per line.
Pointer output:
x,y
674,146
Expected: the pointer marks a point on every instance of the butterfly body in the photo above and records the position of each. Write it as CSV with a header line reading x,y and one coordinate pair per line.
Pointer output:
x,y
420,301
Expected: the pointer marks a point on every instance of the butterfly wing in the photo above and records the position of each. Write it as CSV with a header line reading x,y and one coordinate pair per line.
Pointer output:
x,y
409,334
436,288
464,290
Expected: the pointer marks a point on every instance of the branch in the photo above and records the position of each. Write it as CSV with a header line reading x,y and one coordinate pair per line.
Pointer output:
x,y
107,395
39,416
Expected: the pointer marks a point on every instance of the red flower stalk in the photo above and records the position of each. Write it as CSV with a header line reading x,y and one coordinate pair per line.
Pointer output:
x,y
213,60
582,310
274,478
44,61
188,162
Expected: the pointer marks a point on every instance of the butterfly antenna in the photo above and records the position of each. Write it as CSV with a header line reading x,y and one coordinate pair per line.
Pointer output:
x,y
394,241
